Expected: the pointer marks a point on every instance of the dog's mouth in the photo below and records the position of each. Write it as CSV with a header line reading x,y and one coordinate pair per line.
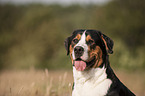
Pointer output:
x,y
81,65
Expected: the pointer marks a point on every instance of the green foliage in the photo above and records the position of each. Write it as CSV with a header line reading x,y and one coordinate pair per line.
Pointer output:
x,y
33,35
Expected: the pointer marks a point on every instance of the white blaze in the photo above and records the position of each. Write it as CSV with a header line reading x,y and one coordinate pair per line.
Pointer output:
x,y
83,44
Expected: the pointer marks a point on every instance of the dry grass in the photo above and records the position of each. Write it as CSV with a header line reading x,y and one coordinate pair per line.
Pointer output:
x,y
56,83
35,83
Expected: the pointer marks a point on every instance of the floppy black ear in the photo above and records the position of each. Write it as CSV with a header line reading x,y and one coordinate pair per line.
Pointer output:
x,y
67,43
108,43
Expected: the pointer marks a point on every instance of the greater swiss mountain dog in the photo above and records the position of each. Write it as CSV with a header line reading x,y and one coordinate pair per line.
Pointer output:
x,y
89,52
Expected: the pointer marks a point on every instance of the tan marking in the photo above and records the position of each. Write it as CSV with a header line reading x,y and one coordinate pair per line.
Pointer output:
x,y
88,38
71,50
78,36
98,55
105,43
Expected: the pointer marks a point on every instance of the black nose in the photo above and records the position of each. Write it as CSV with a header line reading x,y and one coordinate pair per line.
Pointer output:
x,y
78,50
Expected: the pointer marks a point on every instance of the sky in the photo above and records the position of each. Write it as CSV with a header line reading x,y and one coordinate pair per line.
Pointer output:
x,y
62,2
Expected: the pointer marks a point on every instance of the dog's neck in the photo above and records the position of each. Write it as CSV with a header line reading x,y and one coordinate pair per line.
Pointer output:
x,y
94,75
87,82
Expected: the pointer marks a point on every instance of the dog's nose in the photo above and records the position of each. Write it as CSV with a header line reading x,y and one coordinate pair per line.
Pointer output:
x,y
78,51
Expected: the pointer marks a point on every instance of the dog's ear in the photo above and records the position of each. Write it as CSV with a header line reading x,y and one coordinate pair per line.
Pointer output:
x,y
108,43
67,43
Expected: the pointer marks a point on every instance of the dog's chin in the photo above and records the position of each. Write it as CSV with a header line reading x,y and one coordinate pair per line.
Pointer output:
x,y
82,65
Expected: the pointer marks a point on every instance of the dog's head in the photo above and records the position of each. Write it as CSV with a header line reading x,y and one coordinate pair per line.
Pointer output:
x,y
87,48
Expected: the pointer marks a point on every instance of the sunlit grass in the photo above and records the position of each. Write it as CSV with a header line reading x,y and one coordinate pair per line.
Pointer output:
x,y
35,83
56,83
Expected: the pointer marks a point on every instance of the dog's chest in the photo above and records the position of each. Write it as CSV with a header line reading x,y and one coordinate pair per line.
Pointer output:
x,y
91,83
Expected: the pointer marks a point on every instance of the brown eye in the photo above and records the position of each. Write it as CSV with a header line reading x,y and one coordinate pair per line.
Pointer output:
x,y
75,41
90,42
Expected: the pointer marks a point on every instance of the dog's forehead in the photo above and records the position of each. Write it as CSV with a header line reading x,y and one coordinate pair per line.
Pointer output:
x,y
92,34
77,34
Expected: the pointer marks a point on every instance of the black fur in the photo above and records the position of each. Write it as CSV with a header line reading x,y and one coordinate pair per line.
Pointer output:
x,y
117,88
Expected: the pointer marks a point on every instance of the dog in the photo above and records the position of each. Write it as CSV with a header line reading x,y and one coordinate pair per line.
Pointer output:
x,y
89,52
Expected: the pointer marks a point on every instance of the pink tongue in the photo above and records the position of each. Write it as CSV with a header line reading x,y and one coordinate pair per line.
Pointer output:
x,y
80,65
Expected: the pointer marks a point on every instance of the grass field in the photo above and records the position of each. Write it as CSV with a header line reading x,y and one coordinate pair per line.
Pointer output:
x,y
56,83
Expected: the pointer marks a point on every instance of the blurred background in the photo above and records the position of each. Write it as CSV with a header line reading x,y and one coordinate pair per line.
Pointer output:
x,y
32,32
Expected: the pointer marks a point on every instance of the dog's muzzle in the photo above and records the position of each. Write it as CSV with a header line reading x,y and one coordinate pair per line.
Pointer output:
x,y
79,51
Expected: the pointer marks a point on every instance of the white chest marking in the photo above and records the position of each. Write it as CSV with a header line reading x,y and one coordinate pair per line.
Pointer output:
x,y
93,82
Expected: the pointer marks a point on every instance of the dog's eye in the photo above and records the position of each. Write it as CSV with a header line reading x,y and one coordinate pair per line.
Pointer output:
x,y
90,42
75,41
